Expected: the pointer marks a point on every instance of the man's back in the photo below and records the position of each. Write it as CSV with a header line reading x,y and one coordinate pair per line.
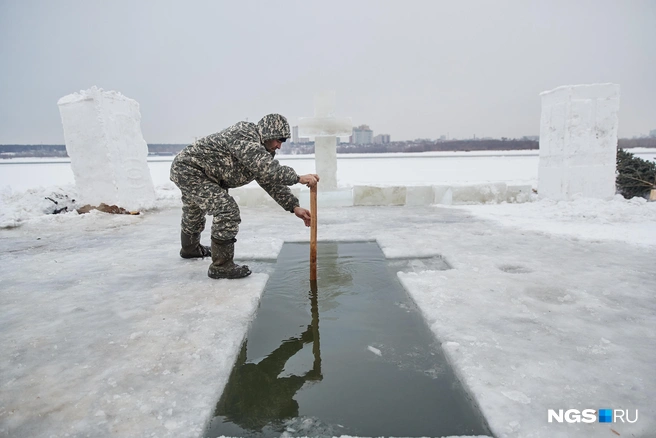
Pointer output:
x,y
224,156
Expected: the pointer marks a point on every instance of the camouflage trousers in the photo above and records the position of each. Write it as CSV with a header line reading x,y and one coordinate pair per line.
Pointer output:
x,y
200,197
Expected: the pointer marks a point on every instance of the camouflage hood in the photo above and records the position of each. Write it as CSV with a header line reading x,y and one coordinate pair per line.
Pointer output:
x,y
273,126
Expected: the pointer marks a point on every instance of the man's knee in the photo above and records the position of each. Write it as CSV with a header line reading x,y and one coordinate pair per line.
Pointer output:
x,y
210,199
226,220
224,207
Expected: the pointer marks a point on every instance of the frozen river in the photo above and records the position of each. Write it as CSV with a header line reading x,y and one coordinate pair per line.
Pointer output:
x,y
431,168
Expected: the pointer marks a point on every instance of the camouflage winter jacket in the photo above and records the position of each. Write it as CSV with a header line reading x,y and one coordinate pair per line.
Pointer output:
x,y
236,156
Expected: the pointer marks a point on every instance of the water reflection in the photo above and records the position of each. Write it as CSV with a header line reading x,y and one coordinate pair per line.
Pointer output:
x,y
343,388
255,395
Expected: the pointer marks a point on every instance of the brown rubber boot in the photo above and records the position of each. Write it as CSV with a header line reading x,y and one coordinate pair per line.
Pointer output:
x,y
191,247
223,266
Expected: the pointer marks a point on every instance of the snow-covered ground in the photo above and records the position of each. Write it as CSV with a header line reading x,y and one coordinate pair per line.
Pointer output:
x,y
107,332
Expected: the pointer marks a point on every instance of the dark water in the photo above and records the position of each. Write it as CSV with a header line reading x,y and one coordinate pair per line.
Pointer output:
x,y
349,355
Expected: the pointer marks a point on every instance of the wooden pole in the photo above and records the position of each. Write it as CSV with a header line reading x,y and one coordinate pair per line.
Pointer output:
x,y
316,349
313,233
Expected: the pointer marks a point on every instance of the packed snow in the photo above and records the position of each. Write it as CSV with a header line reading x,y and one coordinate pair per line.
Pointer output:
x,y
108,332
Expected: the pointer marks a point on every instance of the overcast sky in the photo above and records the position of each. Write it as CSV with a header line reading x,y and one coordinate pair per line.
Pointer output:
x,y
411,69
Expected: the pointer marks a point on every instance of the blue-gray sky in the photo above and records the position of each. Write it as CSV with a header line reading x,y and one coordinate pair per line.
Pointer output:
x,y
411,69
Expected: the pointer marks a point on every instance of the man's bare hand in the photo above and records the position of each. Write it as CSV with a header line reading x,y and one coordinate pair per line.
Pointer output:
x,y
303,214
310,180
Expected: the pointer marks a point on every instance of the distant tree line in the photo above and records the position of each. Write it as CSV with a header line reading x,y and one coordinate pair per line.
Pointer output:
x,y
628,143
59,150
32,150
504,144
430,146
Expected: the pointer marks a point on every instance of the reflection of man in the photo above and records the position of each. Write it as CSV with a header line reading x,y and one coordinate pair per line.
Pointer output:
x,y
255,396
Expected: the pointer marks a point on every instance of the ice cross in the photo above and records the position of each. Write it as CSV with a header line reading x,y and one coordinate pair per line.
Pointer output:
x,y
325,128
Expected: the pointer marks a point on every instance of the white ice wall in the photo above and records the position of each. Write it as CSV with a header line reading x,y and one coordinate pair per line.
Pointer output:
x,y
578,141
102,131
393,195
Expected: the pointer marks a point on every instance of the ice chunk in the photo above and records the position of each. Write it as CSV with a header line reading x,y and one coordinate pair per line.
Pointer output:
x,y
333,198
578,141
370,195
420,195
374,350
443,195
102,130
252,196
479,194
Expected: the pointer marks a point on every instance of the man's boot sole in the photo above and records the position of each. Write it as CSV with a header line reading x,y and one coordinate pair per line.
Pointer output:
x,y
231,275
194,256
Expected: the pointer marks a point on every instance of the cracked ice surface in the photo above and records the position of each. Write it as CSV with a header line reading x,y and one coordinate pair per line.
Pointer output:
x,y
107,332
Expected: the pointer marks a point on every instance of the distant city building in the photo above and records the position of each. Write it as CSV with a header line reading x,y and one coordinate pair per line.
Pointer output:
x,y
296,138
442,138
652,133
362,135
382,139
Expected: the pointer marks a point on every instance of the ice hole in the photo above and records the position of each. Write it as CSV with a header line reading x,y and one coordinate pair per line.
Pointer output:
x,y
347,355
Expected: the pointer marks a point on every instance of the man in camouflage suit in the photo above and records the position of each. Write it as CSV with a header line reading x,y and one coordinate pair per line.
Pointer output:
x,y
205,170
